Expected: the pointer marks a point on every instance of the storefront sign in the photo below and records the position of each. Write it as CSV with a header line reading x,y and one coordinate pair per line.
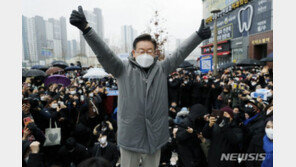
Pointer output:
x,y
261,41
223,48
245,25
252,18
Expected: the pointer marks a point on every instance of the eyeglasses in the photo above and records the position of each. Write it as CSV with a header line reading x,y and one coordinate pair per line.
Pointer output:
x,y
150,51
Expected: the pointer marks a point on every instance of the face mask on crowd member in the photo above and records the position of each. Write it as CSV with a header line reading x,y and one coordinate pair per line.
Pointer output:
x,y
250,110
269,111
81,98
43,97
269,129
253,83
235,110
144,50
227,116
73,92
54,104
102,139
198,78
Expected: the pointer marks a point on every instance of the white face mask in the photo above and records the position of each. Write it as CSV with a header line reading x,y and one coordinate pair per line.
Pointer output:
x,y
269,133
145,60
54,105
82,98
42,98
26,159
268,111
73,92
91,95
170,79
103,140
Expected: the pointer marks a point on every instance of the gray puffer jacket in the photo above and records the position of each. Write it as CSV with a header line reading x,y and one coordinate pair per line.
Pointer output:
x,y
143,97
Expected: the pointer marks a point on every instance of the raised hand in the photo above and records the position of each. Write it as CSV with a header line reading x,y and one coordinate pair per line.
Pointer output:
x,y
78,19
35,147
204,32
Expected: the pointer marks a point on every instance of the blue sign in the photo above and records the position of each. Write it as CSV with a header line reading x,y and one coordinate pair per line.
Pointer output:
x,y
112,92
206,63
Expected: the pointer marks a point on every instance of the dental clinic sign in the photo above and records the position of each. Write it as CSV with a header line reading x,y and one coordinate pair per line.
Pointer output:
x,y
242,18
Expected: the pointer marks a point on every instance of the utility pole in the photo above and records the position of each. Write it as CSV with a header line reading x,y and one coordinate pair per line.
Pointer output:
x,y
215,41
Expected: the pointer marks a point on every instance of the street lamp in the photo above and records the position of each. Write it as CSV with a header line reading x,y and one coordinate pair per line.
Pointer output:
x,y
215,41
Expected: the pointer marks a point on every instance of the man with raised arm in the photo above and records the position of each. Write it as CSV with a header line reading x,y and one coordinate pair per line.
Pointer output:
x,y
143,94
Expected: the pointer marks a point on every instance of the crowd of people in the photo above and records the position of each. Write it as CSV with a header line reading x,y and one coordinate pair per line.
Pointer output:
x,y
208,116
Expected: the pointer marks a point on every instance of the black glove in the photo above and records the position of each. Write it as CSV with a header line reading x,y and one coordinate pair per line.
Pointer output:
x,y
78,19
204,32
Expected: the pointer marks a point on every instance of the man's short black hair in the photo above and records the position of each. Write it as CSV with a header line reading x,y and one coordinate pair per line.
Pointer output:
x,y
144,37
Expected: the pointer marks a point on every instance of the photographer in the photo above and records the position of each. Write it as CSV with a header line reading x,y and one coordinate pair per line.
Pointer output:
x,y
225,137
188,143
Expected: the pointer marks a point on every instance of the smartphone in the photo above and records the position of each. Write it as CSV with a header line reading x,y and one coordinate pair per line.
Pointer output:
x,y
27,120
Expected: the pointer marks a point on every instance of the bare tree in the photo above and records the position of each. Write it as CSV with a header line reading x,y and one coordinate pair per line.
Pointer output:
x,y
158,31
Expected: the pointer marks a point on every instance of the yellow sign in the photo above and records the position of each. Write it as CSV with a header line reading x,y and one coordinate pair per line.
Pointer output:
x,y
260,41
206,57
229,5
209,5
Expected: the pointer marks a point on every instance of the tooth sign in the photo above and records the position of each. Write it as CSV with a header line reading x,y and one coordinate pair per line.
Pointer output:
x,y
245,26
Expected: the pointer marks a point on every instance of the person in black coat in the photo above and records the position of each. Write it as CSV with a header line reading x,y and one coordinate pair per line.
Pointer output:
x,y
169,147
173,88
106,149
31,155
91,113
185,92
197,91
254,131
72,152
188,144
173,110
225,137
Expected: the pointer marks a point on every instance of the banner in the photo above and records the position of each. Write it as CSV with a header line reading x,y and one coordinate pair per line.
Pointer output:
x,y
112,92
206,63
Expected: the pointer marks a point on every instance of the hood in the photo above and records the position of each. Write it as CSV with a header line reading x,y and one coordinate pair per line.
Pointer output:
x,y
197,110
81,129
182,113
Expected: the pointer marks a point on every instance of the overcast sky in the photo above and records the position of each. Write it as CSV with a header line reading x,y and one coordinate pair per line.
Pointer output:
x,y
183,16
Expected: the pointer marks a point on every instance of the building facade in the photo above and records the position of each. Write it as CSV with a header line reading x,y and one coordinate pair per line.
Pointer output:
x,y
128,34
244,29
64,42
95,20
40,33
